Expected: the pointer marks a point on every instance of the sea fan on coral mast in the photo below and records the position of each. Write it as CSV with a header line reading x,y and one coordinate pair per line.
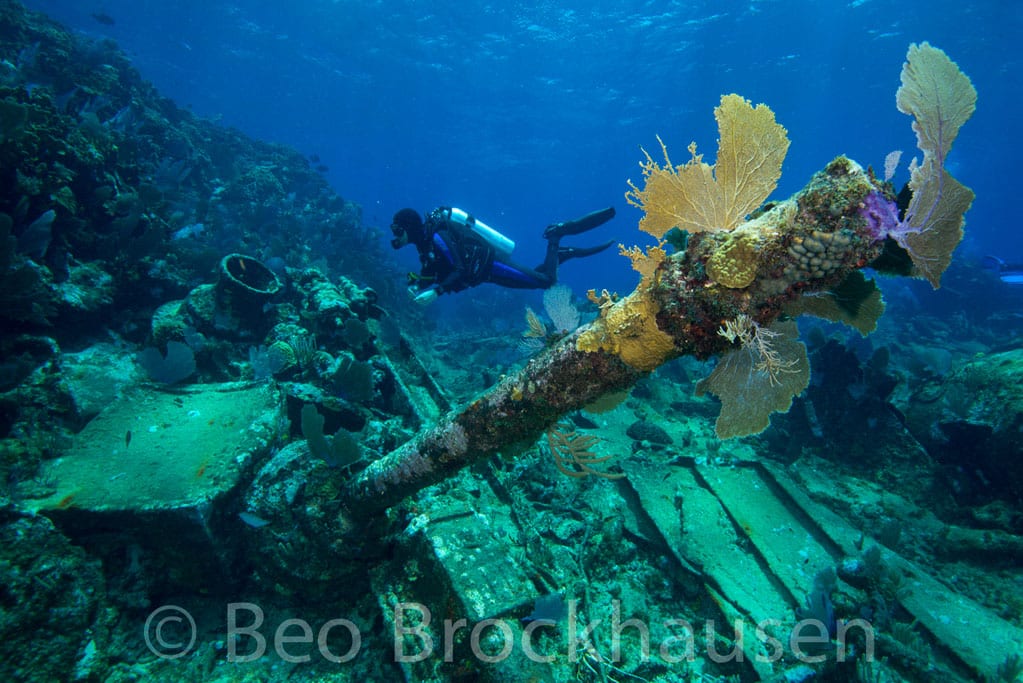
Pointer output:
x,y
940,98
696,196
757,379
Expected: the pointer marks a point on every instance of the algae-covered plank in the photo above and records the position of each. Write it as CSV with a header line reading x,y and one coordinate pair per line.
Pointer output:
x,y
773,525
952,619
154,450
975,635
700,533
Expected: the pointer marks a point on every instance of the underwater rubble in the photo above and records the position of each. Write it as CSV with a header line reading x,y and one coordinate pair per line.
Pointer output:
x,y
194,365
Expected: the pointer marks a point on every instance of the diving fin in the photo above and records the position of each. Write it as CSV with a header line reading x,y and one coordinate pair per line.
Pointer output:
x,y
567,253
587,222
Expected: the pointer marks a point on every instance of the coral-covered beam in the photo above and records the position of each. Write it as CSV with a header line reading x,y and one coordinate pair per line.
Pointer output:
x,y
807,244
510,415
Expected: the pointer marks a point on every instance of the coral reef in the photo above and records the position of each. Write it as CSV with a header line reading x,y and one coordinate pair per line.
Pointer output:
x,y
52,591
968,418
117,209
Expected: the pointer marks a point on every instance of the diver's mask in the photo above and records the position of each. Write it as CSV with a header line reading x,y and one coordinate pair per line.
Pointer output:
x,y
400,236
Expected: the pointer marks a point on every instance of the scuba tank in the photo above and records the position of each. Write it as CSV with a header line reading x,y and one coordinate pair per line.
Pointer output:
x,y
495,239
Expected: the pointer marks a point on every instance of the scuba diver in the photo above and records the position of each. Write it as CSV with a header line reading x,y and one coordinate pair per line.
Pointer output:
x,y
457,251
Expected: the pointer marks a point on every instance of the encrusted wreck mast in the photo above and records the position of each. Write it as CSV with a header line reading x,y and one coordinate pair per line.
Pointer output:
x,y
734,289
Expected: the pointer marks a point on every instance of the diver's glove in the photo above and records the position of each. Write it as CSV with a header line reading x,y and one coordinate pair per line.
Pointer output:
x,y
426,296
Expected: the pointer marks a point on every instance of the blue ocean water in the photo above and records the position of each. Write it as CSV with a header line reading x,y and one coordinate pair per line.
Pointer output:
x,y
527,113
126,504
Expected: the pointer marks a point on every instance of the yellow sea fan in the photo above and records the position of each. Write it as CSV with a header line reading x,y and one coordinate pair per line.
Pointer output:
x,y
644,263
698,197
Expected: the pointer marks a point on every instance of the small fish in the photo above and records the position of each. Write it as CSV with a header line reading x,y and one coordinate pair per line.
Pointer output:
x,y
127,438
252,520
103,18
548,609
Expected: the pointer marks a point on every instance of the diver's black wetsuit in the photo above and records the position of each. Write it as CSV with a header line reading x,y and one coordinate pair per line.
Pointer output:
x,y
454,257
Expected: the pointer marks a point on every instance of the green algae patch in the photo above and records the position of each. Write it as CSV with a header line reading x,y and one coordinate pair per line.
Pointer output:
x,y
159,450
